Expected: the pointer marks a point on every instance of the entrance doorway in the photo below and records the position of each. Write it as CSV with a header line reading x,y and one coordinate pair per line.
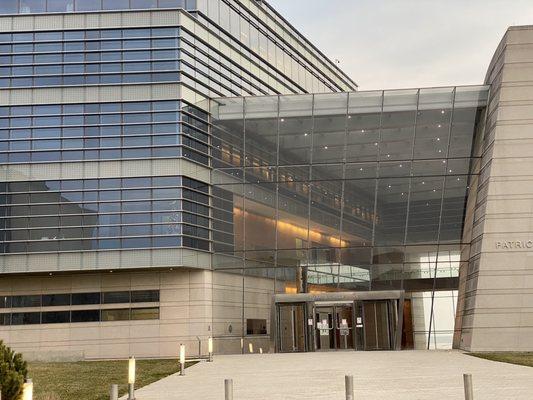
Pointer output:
x,y
338,321
334,327
291,323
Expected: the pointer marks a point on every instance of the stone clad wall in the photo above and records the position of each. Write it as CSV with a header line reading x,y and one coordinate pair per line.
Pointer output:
x,y
496,294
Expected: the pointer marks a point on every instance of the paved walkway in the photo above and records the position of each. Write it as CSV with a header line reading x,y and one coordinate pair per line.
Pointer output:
x,y
405,375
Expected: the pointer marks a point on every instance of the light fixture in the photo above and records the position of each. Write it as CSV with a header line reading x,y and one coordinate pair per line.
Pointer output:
x,y
423,183
439,126
362,131
182,359
283,120
306,134
210,349
27,390
438,139
131,378
325,147
401,165
251,348
442,112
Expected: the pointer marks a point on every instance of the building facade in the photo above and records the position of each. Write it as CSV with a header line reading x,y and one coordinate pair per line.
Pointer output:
x,y
176,170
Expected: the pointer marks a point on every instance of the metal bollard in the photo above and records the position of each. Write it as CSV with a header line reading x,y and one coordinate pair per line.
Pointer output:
x,y
348,380
469,390
228,389
113,394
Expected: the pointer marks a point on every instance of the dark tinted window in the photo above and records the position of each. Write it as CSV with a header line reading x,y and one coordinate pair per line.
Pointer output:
x,y
56,300
26,301
85,298
29,318
5,301
85,316
256,327
5,319
116,297
55,317
145,296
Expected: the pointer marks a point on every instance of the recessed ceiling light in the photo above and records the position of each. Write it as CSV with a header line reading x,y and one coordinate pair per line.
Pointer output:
x,y
438,139
325,147
283,120
439,125
442,112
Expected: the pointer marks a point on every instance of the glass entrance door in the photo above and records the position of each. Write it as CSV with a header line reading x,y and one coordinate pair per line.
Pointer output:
x,y
325,338
334,327
291,328
344,327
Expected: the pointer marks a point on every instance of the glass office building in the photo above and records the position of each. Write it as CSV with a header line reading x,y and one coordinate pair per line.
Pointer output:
x,y
174,170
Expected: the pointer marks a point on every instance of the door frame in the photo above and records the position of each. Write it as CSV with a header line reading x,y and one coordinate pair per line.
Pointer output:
x,y
309,300
277,326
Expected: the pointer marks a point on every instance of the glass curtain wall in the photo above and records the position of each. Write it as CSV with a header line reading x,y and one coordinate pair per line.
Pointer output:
x,y
344,191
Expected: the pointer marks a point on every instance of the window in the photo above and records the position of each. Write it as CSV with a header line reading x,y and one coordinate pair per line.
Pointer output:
x,y
5,302
256,327
32,6
85,298
55,317
49,300
28,318
85,316
8,6
5,319
144,313
60,5
145,296
88,5
26,301
122,314
116,297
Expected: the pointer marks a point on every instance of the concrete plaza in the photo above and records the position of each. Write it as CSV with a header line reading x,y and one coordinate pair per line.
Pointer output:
x,y
405,375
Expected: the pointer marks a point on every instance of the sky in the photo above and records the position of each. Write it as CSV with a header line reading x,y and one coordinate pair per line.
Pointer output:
x,y
390,44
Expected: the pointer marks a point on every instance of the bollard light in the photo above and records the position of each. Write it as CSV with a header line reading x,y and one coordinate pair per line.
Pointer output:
x,y
27,390
131,370
210,349
131,378
250,348
182,359
260,350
